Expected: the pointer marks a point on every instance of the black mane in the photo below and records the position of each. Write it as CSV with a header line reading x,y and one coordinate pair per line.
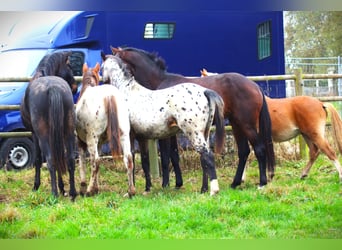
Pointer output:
x,y
55,64
153,56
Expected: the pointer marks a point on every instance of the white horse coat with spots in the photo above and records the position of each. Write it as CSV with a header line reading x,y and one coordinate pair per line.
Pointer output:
x,y
91,127
157,114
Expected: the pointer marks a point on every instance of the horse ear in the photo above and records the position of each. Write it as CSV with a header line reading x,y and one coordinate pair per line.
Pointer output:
x,y
67,54
97,67
115,50
204,72
85,67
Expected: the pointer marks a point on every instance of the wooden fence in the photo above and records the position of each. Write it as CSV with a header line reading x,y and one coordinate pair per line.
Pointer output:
x,y
298,77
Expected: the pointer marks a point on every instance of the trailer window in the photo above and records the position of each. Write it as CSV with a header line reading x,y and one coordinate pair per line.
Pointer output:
x,y
264,40
76,62
159,30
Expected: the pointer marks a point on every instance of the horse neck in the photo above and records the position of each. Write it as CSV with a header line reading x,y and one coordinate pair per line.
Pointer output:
x,y
85,86
37,75
170,79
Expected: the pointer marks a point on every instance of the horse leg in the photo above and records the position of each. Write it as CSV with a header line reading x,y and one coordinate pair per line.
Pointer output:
x,y
325,147
175,161
82,147
61,184
145,162
243,152
95,165
128,161
314,147
260,154
164,148
52,172
208,167
70,147
313,154
38,164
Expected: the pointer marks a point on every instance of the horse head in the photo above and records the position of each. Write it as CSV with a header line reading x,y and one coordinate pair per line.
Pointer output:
x,y
145,66
57,64
90,77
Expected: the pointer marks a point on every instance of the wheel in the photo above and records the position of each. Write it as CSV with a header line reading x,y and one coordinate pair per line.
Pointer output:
x,y
17,153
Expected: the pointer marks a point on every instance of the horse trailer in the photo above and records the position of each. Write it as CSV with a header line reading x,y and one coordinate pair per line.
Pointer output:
x,y
247,42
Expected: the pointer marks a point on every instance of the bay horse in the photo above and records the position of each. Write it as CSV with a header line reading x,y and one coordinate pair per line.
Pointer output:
x,y
101,116
244,105
47,109
307,116
156,114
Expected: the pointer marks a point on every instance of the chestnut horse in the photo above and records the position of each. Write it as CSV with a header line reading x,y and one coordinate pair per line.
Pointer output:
x,y
101,116
307,116
244,105
47,109
156,114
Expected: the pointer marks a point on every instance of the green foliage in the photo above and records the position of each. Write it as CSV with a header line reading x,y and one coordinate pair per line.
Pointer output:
x,y
313,33
288,208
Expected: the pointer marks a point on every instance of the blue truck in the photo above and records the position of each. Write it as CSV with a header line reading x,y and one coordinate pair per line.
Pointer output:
x,y
251,43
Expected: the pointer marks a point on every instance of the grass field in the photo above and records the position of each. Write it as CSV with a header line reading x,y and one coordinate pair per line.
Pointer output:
x,y
288,208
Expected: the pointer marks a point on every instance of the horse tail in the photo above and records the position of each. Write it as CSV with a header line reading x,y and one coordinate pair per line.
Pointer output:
x,y
56,135
265,131
216,105
336,124
113,128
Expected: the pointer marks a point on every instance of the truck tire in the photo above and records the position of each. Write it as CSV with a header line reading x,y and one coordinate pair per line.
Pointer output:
x,y
17,153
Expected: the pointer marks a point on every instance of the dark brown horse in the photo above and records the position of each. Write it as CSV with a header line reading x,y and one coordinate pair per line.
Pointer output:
x,y
307,116
47,109
244,106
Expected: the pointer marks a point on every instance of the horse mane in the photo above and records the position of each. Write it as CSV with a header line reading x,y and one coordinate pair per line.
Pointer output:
x,y
125,68
52,64
153,56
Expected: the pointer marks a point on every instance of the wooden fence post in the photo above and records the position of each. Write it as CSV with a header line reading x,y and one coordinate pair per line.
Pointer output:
x,y
299,91
153,156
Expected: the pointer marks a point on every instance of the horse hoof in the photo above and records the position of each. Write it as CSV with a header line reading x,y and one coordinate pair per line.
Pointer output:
x,y
179,185
261,187
145,193
129,194
215,192
303,177
91,193
214,187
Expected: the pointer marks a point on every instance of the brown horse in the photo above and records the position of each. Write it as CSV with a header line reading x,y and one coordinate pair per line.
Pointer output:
x,y
47,110
101,116
307,116
244,105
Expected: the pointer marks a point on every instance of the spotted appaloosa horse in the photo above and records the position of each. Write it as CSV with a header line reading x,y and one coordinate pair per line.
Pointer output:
x,y
158,114
101,116
47,109
244,105
307,116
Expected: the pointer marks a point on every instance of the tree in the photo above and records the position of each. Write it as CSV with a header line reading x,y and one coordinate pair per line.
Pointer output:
x,y
313,33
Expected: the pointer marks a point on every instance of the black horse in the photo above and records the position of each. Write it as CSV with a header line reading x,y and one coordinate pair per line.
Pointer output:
x,y
47,109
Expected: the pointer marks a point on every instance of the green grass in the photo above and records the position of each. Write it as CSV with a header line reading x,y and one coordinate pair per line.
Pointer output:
x,y
288,208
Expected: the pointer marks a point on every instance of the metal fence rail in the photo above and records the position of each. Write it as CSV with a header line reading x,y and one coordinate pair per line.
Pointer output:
x,y
298,77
